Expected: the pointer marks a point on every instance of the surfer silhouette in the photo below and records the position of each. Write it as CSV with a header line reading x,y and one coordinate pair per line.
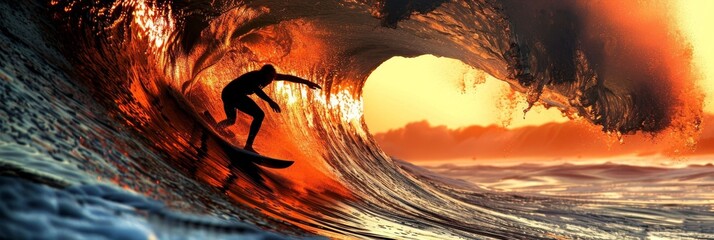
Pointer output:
x,y
235,96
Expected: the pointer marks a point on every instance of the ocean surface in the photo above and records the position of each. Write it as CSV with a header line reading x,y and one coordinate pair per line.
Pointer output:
x,y
690,184
102,136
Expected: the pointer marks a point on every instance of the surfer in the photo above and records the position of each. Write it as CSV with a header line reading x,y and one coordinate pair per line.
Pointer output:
x,y
235,96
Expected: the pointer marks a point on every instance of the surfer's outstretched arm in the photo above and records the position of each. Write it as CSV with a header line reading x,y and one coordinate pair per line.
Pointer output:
x,y
291,78
270,101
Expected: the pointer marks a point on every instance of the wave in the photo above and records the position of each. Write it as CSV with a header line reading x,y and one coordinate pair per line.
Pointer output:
x,y
597,182
109,91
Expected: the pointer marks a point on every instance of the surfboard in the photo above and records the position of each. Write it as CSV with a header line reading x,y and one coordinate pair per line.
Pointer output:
x,y
241,153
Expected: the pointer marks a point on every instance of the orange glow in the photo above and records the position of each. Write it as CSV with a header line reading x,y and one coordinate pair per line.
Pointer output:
x,y
649,29
155,25
666,34
444,91
573,141
309,173
693,18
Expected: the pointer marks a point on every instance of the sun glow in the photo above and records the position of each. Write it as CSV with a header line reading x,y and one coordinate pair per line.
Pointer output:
x,y
693,18
444,92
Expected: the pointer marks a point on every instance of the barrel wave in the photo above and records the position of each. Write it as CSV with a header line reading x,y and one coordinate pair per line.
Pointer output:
x,y
111,92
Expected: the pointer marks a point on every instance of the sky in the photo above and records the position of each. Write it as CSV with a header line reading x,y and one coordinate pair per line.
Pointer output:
x,y
572,141
460,97
445,92
694,18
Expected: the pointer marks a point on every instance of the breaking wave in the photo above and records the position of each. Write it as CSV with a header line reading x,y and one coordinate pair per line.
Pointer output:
x,y
111,91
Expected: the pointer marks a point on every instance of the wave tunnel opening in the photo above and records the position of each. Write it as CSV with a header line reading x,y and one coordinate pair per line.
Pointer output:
x,y
444,91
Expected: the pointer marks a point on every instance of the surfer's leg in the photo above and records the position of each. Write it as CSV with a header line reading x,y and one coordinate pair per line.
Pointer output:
x,y
230,109
248,106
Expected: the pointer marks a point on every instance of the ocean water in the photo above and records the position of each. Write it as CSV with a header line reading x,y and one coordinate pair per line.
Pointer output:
x,y
608,182
101,136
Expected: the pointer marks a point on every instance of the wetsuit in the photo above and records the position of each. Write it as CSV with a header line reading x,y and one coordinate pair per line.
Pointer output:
x,y
235,95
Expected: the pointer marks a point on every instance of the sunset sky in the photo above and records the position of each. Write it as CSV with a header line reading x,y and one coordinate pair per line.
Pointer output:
x,y
404,90
445,92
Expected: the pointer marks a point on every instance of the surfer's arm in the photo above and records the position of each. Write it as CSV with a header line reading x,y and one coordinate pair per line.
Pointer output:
x,y
270,101
291,78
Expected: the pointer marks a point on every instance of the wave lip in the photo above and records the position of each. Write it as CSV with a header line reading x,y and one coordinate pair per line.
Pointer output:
x,y
624,70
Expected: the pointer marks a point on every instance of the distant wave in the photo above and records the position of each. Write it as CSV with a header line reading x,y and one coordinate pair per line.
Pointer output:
x,y
692,184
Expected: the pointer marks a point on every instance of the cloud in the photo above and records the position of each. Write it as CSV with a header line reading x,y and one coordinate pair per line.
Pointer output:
x,y
574,139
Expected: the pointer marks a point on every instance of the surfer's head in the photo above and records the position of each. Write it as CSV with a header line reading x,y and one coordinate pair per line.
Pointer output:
x,y
269,70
